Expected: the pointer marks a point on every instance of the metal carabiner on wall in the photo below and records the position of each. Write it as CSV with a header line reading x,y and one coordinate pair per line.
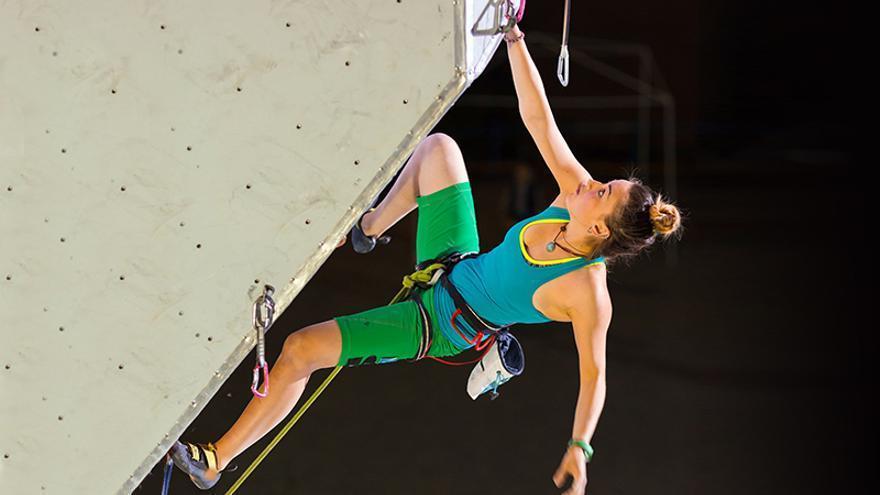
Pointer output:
x,y
262,326
505,17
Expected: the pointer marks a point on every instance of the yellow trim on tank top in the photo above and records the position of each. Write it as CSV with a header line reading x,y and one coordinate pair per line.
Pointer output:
x,y
522,245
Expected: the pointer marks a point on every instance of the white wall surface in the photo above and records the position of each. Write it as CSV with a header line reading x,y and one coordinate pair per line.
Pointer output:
x,y
159,162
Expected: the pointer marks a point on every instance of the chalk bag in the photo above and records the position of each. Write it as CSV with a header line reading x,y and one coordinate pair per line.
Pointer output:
x,y
503,361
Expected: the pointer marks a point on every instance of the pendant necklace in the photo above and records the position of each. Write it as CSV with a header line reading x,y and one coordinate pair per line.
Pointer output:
x,y
551,246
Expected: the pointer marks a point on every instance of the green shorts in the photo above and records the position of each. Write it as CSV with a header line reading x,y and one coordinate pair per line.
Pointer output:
x,y
447,223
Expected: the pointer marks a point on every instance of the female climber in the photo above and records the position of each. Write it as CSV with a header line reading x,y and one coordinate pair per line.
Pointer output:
x,y
551,266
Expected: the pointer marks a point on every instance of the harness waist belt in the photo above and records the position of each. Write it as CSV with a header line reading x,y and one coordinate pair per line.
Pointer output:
x,y
476,322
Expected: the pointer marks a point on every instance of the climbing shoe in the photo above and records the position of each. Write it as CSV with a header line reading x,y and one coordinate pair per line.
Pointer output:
x,y
195,460
363,243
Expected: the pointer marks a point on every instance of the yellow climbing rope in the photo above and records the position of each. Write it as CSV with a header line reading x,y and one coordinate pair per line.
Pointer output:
x,y
283,431
428,276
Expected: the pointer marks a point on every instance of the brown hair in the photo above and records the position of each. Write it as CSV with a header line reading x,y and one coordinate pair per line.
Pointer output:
x,y
644,218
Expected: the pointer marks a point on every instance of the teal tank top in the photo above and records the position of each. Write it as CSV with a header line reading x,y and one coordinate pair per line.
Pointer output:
x,y
499,285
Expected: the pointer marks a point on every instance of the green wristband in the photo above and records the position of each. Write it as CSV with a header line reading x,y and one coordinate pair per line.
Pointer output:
x,y
587,448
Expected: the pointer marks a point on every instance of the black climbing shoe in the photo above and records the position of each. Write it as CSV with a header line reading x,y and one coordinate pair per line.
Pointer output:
x,y
363,243
195,460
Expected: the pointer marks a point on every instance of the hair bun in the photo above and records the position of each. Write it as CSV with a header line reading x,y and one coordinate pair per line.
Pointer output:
x,y
665,217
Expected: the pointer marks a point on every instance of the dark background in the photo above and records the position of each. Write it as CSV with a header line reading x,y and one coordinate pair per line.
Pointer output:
x,y
740,367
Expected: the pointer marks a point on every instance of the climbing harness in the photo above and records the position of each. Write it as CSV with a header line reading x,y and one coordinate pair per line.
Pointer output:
x,y
262,326
562,65
505,17
427,274
502,356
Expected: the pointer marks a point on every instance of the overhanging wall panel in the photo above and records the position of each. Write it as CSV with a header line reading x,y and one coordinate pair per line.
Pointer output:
x,y
157,158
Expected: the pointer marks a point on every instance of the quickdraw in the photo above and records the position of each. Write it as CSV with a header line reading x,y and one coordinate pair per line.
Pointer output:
x,y
262,326
562,65
505,16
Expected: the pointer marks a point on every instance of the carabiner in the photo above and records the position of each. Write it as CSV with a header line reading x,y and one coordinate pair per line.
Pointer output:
x,y
256,381
562,66
499,24
494,395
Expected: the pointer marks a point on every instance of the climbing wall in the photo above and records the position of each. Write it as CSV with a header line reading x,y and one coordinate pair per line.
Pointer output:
x,y
160,162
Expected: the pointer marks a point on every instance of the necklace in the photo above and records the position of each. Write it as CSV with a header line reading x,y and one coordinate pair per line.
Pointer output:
x,y
551,246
